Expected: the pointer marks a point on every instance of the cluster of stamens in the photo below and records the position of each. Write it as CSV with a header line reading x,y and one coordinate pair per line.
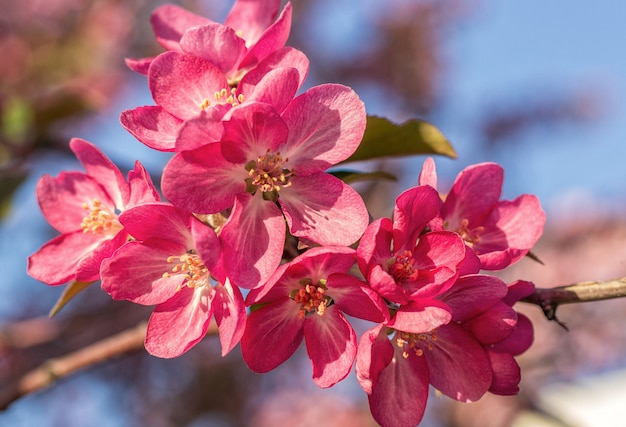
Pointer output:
x,y
404,267
311,297
224,96
267,173
471,236
100,219
191,266
408,341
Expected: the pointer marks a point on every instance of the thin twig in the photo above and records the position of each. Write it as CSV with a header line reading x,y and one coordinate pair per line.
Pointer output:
x,y
550,298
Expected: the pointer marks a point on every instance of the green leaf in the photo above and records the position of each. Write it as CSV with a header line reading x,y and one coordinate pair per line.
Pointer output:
x,y
385,139
70,292
351,176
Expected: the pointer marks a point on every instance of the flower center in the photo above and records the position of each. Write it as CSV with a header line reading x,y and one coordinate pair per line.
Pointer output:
x,y
191,266
404,267
224,96
409,341
471,236
311,297
268,175
99,219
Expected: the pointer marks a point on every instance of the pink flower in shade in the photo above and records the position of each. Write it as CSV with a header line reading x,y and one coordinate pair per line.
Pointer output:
x,y
306,299
500,232
270,169
84,207
188,88
450,352
175,264
250,34
406,266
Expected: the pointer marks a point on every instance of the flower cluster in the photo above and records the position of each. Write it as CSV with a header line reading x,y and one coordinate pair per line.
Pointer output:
x,y
249,176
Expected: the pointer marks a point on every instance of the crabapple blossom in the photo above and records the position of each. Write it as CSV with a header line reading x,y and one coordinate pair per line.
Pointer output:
x,y
306,299
175,264
84,207
269,169
500,232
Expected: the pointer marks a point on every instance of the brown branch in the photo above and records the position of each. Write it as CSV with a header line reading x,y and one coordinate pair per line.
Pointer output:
x,y
549,299
50,371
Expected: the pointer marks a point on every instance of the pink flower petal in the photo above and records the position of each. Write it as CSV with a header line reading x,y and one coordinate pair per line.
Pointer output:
x,y
428,174
506,374
103,170
230,315
142,189
135,272
253,239
160,220
331,345
169,23
178,324
383,283
251,18
473,295
206,128
216,43
272,39
88,269
139,65
414,209
62,199
375,246
423,316
277,87
202,181
520,340
494,325
272,335
182,84
374,353
458,365
326,125
322,208
153,126
55,263
356,299
285,57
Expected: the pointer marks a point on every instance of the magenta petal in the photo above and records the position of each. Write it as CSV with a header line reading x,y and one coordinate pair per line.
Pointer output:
x,y
520,340
375,246
326,125
286,57
374,353
518,290
383,283
205,129
230,315
428,174
273,38
169,23
61,199
420,317
273,333
88,269
331,345
356,299
458,364
414,209
178,324
142,189
216,43
139,65
494,325
322,208
182,84
472,295
135,273
251,18
202,181
253,239
277,87
160,220
153,126
399,397
506,374
56,262
103,170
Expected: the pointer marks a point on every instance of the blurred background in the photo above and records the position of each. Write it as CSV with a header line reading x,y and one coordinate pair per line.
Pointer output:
x,y
536,86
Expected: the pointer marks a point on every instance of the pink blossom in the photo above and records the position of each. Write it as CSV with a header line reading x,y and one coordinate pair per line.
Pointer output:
x,y
269,169
450,352
500,232
250,34
188,88
306,299
84,207
174,263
